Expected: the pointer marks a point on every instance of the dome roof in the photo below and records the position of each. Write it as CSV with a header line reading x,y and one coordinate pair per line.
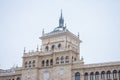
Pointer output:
x,y
59,29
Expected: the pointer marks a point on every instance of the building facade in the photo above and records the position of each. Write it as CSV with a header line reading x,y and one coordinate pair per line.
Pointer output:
x,y
59,59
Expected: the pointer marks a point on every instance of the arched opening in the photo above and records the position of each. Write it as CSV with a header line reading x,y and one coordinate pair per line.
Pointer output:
x,y
18,78
68,46
77,76
53,47
29,63
43,63
46,48
26,64
115,75
33,63
108,75
119,74
103,75
74,59
57,60
62,59
91,76
51,62
86,76
59,46
97,76
67,59
47,63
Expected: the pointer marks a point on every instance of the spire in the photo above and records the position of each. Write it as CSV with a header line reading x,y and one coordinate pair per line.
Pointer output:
x,y
61,21
61,13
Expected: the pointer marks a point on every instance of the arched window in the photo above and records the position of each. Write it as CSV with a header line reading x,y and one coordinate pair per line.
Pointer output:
x,y
103,75
91,76
51,62
97,76
59,46
67,59
119,74
18,78
43,63
74,59
26,64
114,74
33,63
62,59
29,63
86,76
46,48
53,47
57,60
68,46
108,75
47,63
77,76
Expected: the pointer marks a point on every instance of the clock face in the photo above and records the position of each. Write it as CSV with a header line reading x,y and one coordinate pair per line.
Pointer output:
x,y
46,75
28,74
61,71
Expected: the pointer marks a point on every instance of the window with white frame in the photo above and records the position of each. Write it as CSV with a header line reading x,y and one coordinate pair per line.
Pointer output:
x,y
103,75
91,76
62,59
115,74
108,75
97,76
77,76
86,76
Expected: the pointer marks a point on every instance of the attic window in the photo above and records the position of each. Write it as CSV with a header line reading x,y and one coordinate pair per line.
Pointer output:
x,y
53,47
59,46
46,48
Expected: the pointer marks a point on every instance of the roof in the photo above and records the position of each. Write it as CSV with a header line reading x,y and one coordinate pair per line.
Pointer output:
x,y
102,64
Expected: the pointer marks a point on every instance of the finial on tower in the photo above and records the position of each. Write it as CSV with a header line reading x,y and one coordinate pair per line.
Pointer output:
x,y
64,28
43,32
82,59
24,49
61,20
37,48
78,35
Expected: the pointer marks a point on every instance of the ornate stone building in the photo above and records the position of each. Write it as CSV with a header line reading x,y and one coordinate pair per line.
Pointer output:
x,y
59,59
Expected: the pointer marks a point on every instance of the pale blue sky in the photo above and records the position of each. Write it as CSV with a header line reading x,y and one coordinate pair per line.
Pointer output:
x,y
97,21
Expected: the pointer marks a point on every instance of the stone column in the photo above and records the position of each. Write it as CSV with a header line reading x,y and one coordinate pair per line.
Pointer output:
x,y
99,76
117,75
82,76
111,76
54,59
